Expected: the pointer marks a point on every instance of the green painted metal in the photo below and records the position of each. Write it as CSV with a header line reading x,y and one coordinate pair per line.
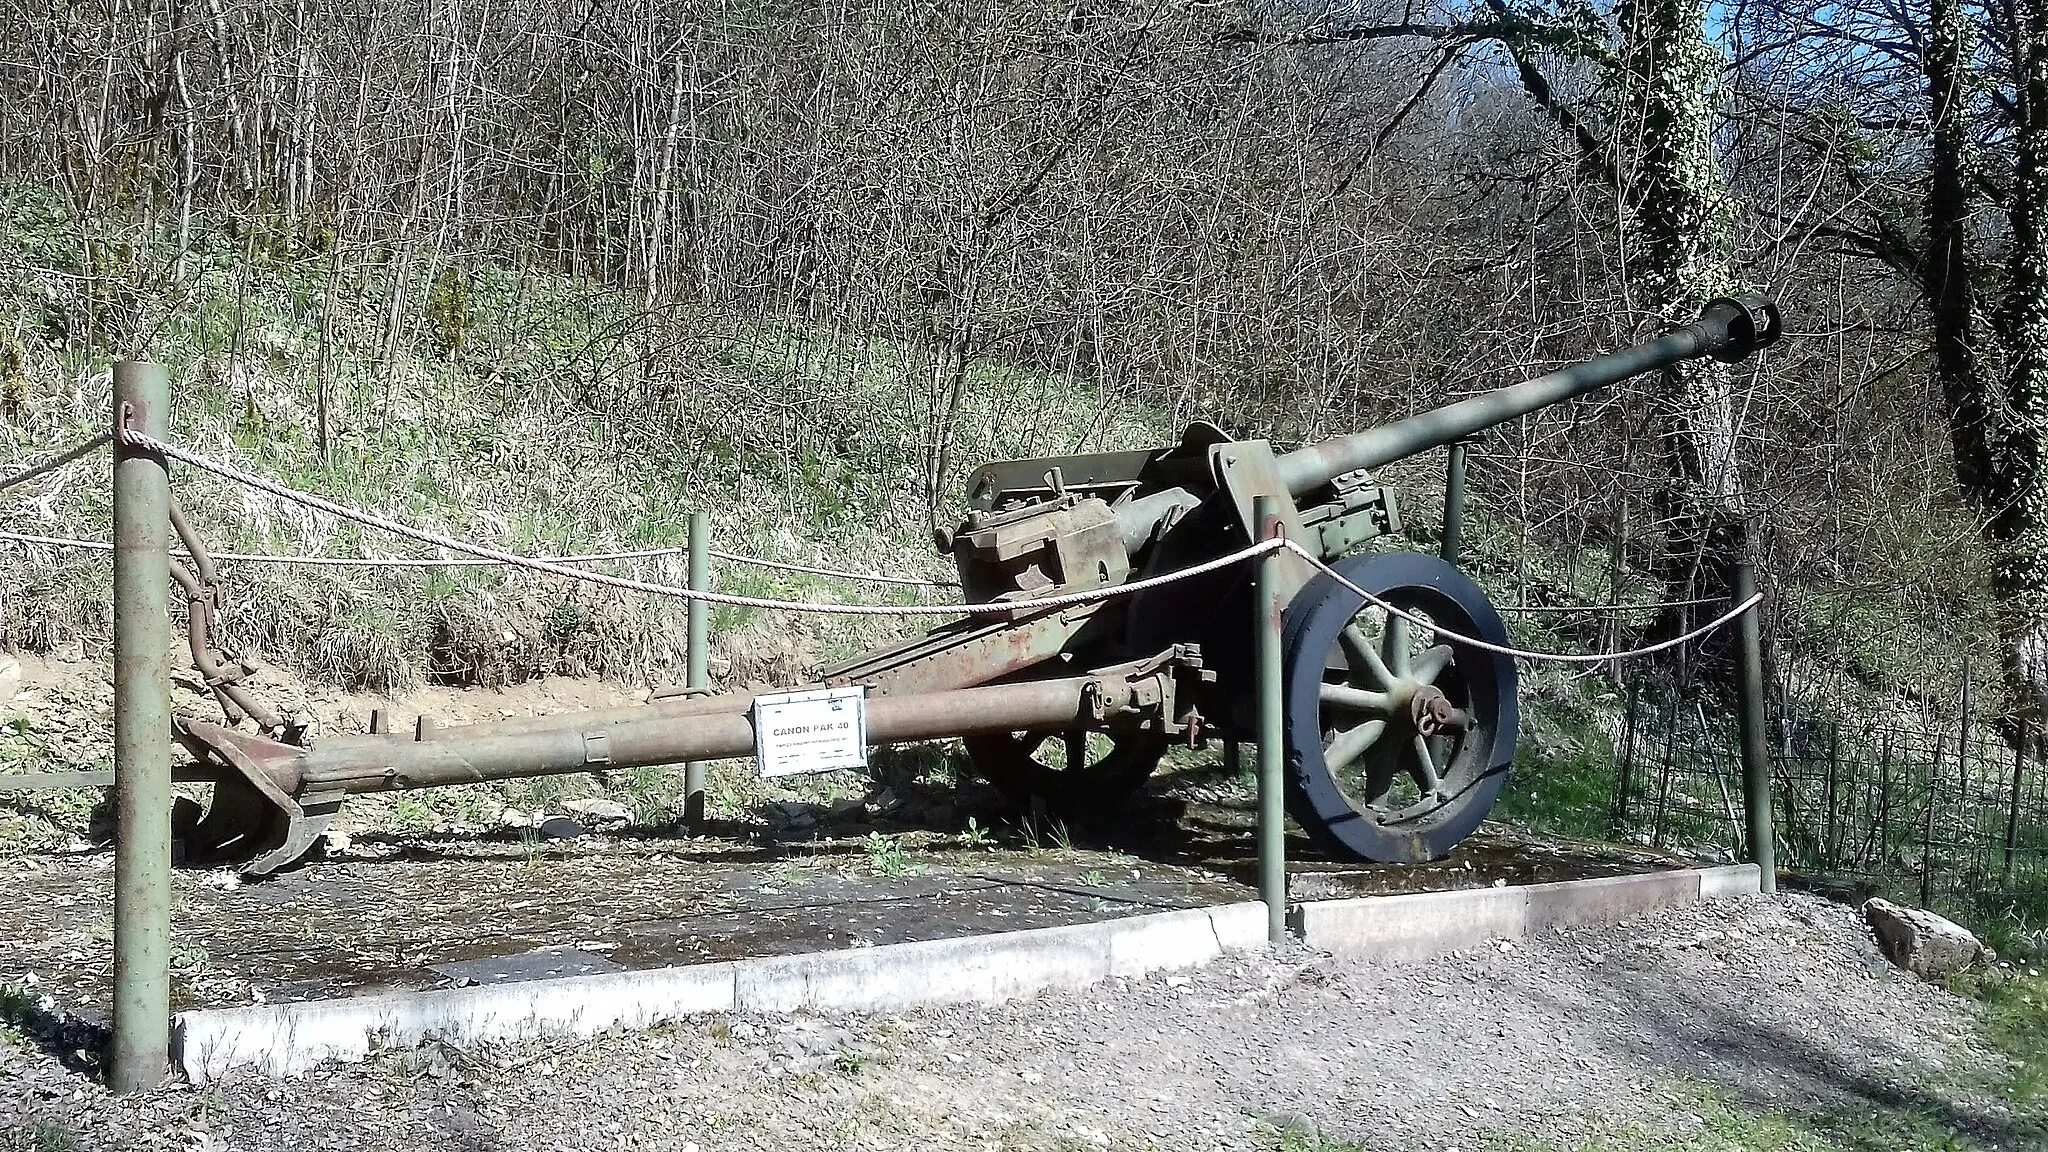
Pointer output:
x,y
139,1055
1162,663
1756,758
1454,503
1729,327
698,664
1266,513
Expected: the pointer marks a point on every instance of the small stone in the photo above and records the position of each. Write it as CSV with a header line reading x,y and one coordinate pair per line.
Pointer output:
x,y
559,828
1291,1122
513,818
335,842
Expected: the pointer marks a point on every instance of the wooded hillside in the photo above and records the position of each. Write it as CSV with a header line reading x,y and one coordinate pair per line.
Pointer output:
x,y
1289,222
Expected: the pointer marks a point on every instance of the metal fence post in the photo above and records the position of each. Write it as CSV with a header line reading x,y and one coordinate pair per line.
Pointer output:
x,y
1454,502
1756,759
1626,773
1272,814
1831,829
139,1055
2012,813
1927,826
698,670
1963,736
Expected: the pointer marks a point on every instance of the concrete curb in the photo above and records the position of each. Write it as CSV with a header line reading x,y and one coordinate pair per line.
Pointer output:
x,y
285,1039
1413,926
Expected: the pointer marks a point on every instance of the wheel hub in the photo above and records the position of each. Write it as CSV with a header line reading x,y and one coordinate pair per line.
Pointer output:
x,y
1431,711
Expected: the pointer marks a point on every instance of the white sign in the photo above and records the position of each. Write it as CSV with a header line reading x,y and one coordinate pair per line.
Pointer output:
x,y
820,730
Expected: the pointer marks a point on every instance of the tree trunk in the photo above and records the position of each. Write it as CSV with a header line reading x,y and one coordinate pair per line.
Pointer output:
x,y
2018,508
1666,79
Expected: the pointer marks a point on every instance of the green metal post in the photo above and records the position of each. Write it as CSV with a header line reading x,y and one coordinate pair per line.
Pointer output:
x,y
1454,502
699,665
2012,814
139,1055
1756,758
1272,814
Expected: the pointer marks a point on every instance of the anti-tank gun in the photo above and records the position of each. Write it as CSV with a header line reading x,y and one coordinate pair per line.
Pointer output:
x,y
1397,744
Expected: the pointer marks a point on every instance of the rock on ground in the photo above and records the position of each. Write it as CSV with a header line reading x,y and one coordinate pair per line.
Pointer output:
x,y
1929,946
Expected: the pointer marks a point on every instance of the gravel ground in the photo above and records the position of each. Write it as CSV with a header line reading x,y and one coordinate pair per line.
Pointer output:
x,y
1771,1006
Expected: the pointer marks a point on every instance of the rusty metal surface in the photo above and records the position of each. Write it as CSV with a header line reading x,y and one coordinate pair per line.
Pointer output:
x,y
376,763
964,658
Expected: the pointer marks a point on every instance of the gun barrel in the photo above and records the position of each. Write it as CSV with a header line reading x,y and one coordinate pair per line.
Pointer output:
x,y
1728,329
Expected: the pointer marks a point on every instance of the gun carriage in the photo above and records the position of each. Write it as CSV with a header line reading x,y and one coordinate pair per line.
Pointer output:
x,y
1397,742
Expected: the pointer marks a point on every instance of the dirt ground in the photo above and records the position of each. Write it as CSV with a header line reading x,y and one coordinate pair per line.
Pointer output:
x,y
419,883
1755,1023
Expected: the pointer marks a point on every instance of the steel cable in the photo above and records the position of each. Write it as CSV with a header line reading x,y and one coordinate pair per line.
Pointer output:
x,y
450,562
1523,653
436,539
57,461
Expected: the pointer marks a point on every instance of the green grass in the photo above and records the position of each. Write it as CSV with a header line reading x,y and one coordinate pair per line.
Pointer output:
x,y
1563,778
1728,1125
1295,1140
2015,1018
52,1137
885,855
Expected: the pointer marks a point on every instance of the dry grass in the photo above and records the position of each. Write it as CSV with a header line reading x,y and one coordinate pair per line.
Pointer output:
x,y
547,433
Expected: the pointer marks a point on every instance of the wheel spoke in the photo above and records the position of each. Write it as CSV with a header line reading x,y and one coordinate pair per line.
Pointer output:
x,y
1378,773
1351,744
1431,664
1357,699
1424,768
1397,645
1358,646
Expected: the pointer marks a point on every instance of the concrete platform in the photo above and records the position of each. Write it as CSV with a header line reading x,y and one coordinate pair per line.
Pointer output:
x,y
476,938
282,1039
1413,926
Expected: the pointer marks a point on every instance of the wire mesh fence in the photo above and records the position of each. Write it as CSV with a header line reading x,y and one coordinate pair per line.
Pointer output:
x,y
1948,814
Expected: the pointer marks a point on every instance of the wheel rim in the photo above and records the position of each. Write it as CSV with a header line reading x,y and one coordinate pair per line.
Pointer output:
x,y
1398,740
1035,767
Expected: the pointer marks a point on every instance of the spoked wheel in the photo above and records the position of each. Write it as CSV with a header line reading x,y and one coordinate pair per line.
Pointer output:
x,y
1078,776
1397,742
